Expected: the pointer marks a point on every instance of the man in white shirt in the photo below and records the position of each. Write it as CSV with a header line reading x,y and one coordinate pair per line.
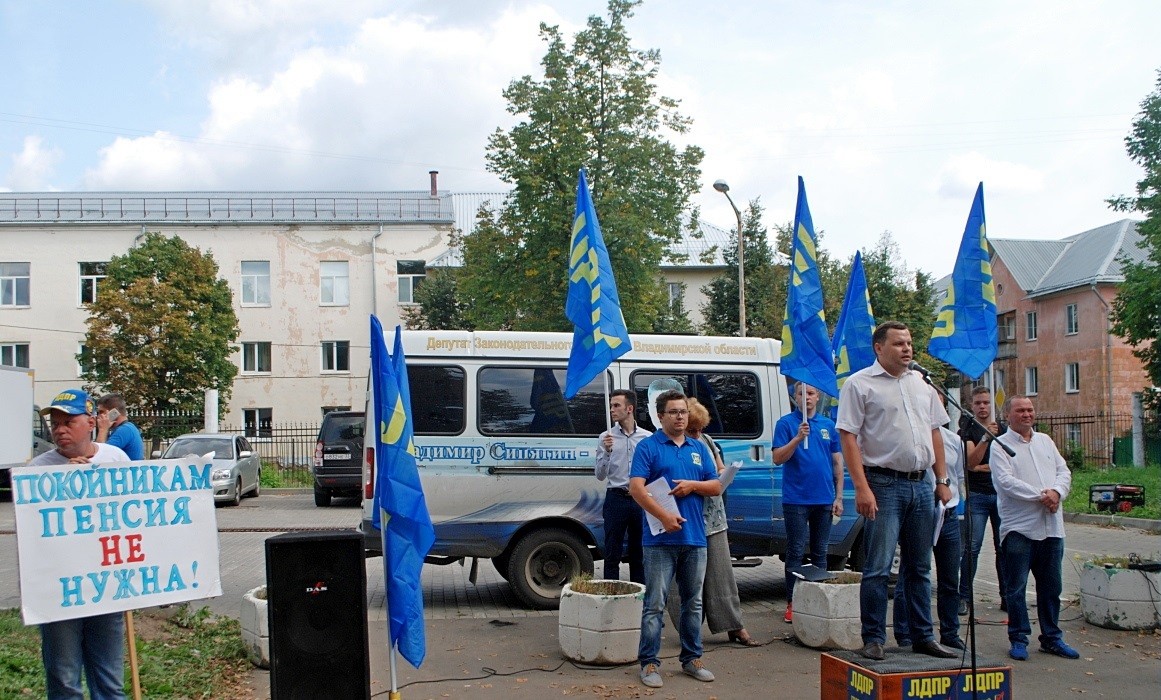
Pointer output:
x,y
621,513
888,424
1029,489
94,644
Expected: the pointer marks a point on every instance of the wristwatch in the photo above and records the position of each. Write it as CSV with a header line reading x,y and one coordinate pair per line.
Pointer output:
x,y
944,481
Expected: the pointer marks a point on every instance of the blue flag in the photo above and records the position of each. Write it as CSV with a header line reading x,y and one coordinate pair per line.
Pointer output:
x,y
593,306
852,346
966,334
806,351
399,503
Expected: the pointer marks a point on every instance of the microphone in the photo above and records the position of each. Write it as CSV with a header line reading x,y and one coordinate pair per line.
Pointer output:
x,y
919,368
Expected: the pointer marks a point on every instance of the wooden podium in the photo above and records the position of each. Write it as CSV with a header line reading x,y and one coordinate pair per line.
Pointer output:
x,y
904,674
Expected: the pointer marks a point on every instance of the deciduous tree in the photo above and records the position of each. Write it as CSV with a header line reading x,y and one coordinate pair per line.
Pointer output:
x,y
595,106
1137,308
161,328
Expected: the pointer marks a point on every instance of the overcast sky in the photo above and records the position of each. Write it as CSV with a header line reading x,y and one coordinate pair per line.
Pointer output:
x,y
891,111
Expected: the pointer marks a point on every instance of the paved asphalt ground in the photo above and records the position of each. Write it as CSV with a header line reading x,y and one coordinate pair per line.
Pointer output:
x,y
474,628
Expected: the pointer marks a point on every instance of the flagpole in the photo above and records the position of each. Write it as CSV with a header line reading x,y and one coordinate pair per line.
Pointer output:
x,y
384,518
608,416
802,386
992,384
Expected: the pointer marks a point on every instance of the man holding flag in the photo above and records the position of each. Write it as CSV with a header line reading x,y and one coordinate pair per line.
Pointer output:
x,y
400,509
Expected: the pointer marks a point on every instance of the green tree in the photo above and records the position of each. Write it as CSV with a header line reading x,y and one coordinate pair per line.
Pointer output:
x,y
901,294
161,328
437,306
765,279
596,106
1137,307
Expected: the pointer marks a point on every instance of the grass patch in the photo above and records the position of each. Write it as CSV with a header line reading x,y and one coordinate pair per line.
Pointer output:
x,y
584,583
276,477
182,654
1083,478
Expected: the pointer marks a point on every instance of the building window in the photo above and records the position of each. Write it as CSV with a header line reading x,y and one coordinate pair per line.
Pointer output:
x,y
1030,327
1072,377
84,359
258,422
14,282
335,285
14,355
1008,327
1072,434
411,275
91,274
256,358
255,283
1071,325
1031,381
674,293
336,356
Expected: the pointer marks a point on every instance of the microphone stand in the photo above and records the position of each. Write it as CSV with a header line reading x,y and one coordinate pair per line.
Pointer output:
x,y
988,437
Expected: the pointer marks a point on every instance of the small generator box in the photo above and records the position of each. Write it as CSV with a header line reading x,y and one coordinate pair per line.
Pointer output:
x,y
1116,497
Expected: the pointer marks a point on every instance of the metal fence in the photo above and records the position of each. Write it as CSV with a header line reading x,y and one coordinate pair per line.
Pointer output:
x,y
1105,440
288,446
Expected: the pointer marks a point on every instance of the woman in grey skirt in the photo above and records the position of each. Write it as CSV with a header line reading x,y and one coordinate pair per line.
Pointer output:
x,y
720,602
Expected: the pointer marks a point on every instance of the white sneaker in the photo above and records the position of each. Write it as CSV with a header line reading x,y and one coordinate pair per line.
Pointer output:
x,y
695,669
651,678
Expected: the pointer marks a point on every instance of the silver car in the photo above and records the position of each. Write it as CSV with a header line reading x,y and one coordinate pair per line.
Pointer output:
x,y
237,468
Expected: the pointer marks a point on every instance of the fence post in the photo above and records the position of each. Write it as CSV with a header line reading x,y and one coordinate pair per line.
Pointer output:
x,y
211,411
1138,430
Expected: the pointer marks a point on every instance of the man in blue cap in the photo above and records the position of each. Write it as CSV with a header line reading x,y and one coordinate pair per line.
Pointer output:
x,y
95,644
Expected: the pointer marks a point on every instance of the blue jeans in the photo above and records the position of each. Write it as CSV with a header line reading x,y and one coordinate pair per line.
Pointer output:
x,y
1043,558
622,516
981,507
947,558
906,517
96,644
805,523
661,563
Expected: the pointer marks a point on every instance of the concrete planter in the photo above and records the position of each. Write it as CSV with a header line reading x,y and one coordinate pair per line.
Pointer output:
x,y
826,615
1120,599
601,629
256,627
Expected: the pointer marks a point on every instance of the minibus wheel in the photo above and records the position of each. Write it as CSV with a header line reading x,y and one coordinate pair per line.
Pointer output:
x,y
542,562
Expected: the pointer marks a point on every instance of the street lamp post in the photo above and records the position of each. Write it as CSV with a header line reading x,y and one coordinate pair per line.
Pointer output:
x,y
724,188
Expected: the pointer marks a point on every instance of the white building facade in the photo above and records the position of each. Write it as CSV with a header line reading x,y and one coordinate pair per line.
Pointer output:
x,y
306,270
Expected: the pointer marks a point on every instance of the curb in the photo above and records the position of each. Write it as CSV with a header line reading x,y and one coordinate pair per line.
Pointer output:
x,y
1115,521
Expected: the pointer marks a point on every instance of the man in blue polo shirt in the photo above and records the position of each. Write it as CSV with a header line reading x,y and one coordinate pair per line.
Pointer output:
x,y
812,483
689,469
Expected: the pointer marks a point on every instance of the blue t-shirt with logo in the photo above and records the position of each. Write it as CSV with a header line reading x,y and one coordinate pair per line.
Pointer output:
x,y
657,456
807,477
128,438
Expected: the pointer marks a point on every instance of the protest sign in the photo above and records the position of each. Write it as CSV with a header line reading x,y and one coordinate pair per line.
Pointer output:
x,y
102,538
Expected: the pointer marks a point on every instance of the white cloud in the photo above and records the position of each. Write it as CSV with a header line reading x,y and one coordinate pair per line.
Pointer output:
x,y
402,96
33,166
961,173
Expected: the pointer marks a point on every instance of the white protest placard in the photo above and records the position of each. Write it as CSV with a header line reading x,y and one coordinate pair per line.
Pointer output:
x,y
102,538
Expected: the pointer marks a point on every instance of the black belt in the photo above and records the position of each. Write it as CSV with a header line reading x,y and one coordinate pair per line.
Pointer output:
x,y
619,489
910,476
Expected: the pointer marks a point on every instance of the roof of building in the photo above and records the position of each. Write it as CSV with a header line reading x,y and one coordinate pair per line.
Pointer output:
x,y
237,207
1091,257
702,249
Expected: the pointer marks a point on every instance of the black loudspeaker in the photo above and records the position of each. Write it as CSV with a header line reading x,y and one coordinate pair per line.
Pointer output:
x,y
316,590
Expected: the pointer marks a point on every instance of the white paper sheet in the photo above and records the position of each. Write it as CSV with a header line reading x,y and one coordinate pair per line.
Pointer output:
x,y
728,474
659,490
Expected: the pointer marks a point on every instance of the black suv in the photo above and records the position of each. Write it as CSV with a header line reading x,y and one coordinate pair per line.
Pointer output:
x,y
338,457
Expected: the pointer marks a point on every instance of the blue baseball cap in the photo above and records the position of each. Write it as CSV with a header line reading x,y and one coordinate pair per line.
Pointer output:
x,y
74,402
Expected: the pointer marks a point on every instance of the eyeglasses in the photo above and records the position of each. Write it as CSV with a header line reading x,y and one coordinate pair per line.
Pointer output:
x,y
677,412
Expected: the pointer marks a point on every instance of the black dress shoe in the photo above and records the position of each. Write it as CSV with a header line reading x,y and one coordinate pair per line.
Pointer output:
x,y
954,643
873,651
934,648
